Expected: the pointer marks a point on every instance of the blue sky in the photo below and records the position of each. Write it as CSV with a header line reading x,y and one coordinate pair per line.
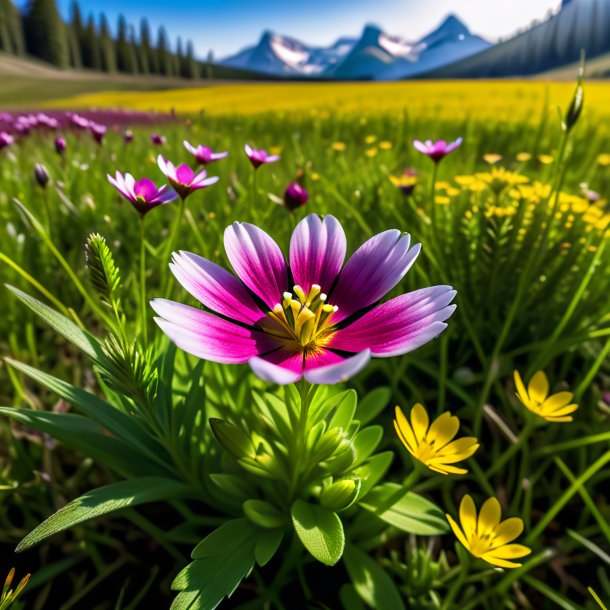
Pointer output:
x,y
225,26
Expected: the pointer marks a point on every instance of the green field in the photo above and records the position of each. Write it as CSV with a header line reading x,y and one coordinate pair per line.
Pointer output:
x,y
514,233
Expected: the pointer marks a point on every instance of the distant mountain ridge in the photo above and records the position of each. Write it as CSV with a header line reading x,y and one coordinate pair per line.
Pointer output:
x,y
375,55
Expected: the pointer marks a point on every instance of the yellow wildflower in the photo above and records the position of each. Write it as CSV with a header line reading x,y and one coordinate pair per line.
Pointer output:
x,y
523,157
433,444
604,159
370,139
492,158
385,145
546,159
486,536
553,408
275,150
338,146
371,152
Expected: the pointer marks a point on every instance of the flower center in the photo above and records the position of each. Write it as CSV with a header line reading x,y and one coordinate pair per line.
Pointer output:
x,y
302,320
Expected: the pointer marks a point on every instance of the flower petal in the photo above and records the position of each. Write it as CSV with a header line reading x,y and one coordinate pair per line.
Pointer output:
x,y
538,387
419,422
400,325
556,402
458,532
499,563
207,336
468,516
404,430
443,429
257,260
278,367
340,371
521,391
489,516
215,287
372,271
507,530
317,252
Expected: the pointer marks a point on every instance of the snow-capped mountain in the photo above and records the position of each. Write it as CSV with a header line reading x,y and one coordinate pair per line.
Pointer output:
x,y
284,56
375,55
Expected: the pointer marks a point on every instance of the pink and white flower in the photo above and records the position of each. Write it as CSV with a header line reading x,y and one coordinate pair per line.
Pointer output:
x,y
313,317
259,156
183,178
204,154
142,194
437,151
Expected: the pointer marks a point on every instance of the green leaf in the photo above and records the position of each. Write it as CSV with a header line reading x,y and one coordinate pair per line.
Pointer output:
x,y
320,531
81,434
267,545
264,514
105,500
371,581
350,599
222,560
64,326
373,471
366,441
372,404
411,513
344,413
232,439
100,411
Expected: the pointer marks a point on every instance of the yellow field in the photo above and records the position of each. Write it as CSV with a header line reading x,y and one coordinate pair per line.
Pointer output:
x,y
501,100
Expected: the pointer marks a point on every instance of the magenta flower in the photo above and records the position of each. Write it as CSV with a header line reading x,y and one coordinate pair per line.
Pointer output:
x,y
204,154
143,194
295,196
156,139
436,150
6,139
327,327
60,145
183,178
259,157
80,122
98,131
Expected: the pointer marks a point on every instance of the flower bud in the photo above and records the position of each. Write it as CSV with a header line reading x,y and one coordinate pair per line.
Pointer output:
x,y
60,145
128,136
232,439
295,196
41,175
341,494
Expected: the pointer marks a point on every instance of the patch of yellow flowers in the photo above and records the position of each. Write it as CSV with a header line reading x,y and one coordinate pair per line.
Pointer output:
x,y
434,445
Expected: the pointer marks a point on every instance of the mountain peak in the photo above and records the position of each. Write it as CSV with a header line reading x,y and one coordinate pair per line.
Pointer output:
x,y
453,24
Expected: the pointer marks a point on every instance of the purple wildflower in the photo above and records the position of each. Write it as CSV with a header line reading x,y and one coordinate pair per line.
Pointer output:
x,y
60,145
183,178
327,328
436,150
41,175
128,136
156,139
143,194
295,196
204,154
259,157
6,139
98,132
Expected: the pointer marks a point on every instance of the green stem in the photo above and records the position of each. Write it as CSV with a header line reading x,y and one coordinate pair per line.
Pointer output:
x,y
508,454
171,243
457,585
143,281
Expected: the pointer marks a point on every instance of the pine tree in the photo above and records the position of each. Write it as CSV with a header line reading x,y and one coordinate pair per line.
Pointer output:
x,y
106,46
209,66
164,54
133,49
78,27
90,46
45,34
190,63
144,50
126,61
6,43
179,67
75,59
11,29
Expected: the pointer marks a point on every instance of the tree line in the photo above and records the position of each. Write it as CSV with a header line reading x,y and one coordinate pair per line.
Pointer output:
x,y
39,31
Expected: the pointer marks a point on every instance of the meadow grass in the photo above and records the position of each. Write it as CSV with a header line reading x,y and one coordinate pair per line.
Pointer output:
x,y
525,249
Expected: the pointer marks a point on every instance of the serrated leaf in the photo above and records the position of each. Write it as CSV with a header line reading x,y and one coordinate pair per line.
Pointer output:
x,y
411,513
104,500
371,581
320,530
